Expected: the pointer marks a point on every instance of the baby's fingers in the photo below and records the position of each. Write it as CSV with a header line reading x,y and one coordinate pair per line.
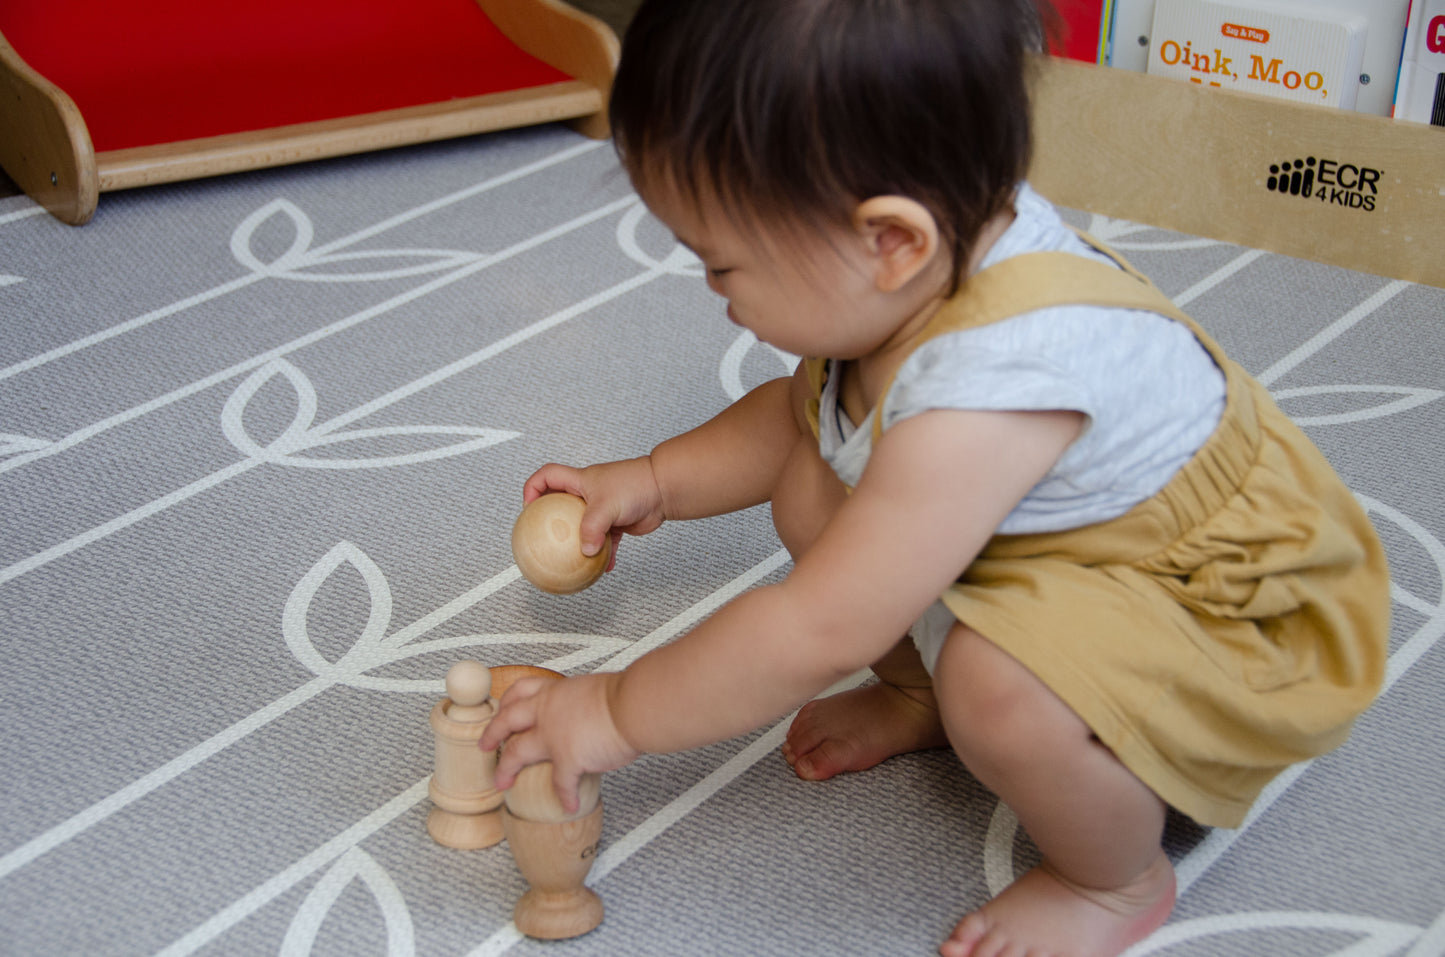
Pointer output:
x,y
566,783
517,711
520,751
552,478
596,530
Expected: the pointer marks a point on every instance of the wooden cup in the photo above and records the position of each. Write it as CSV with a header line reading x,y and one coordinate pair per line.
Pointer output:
x,y
554,851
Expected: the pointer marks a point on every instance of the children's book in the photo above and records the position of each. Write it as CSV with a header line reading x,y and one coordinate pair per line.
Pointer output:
x,y
1420,95
1084,35
1377,25
1290,51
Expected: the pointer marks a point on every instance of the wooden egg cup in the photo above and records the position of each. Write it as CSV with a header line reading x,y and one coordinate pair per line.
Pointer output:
x,y
555,857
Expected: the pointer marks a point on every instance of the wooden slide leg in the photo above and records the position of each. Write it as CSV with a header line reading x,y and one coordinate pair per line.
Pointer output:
x,y
44,144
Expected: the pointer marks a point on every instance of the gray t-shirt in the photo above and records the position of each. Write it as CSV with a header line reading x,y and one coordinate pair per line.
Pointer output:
x,y
1151,393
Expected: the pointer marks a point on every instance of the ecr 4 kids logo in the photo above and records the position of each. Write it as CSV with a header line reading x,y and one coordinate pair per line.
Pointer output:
x,y
1326,181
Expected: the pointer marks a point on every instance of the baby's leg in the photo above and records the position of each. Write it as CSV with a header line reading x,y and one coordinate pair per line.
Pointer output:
x,y
857,729
1104,882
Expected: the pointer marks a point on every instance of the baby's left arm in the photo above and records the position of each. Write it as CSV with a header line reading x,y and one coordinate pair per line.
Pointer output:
x,y
936,488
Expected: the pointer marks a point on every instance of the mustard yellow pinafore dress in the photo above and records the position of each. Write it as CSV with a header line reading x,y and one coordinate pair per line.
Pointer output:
x,y
1232,625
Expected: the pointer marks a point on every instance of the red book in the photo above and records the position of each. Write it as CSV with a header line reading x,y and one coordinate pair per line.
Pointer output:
x,y
1082,28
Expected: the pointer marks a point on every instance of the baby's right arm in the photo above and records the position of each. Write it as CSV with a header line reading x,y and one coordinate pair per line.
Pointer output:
x,y
728,463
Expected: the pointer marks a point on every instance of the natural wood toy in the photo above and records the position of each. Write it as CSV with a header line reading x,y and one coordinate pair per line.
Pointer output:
x,y
467,810
554,851
547,545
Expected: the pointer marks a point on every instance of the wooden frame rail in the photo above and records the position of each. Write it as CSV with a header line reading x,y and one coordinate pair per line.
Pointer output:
x,y
1361,191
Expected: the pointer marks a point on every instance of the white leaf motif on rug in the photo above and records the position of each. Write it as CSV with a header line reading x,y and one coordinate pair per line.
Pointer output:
x,y
1369,936
1406,398
355,864
679,260
301,262
12,444
374,648
301,436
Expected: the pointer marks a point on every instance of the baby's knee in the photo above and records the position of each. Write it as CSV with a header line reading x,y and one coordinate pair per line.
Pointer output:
x,y
993,707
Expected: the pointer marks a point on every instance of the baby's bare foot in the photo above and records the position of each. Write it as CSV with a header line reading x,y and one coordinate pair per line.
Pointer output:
x,y
857,729
1043,913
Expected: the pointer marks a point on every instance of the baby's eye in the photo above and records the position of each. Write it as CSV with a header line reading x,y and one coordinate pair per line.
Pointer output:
x,y
719,273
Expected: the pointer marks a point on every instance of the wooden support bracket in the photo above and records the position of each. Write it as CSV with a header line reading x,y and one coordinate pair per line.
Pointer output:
x,y
1371,193
45,148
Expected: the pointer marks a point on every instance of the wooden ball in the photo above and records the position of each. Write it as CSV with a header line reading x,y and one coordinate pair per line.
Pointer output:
x,y
547,545
469,683
532,797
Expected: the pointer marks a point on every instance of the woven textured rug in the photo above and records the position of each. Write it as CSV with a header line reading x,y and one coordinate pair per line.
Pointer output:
x,y
262,440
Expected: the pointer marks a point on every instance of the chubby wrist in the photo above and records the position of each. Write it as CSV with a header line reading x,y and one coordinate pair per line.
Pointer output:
x,y
612,696
655,462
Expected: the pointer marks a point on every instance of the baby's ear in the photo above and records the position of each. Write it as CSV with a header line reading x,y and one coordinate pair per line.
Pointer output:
x,y
901,236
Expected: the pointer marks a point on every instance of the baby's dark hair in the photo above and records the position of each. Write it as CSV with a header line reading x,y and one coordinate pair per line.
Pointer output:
x,y
797,110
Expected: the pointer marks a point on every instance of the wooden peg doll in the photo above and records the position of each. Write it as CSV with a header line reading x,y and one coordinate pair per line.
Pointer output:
x,y
467,812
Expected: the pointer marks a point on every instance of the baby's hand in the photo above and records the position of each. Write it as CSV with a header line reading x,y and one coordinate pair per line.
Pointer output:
x,y
567,722
620,496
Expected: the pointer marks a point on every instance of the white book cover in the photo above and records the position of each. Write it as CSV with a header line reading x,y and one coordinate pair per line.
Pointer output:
x,y
1129,24
1293,51
1420,95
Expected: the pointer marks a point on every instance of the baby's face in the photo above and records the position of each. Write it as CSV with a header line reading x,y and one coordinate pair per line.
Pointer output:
x,y
806,290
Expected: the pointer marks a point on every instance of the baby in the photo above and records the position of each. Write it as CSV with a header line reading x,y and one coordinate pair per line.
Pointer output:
x,y
1074,541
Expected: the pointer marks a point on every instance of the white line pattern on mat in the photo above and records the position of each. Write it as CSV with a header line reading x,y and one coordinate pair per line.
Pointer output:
x,y
255,276
19,214
1216,277
1431,942
293,621
341,325
1333,331
155,507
